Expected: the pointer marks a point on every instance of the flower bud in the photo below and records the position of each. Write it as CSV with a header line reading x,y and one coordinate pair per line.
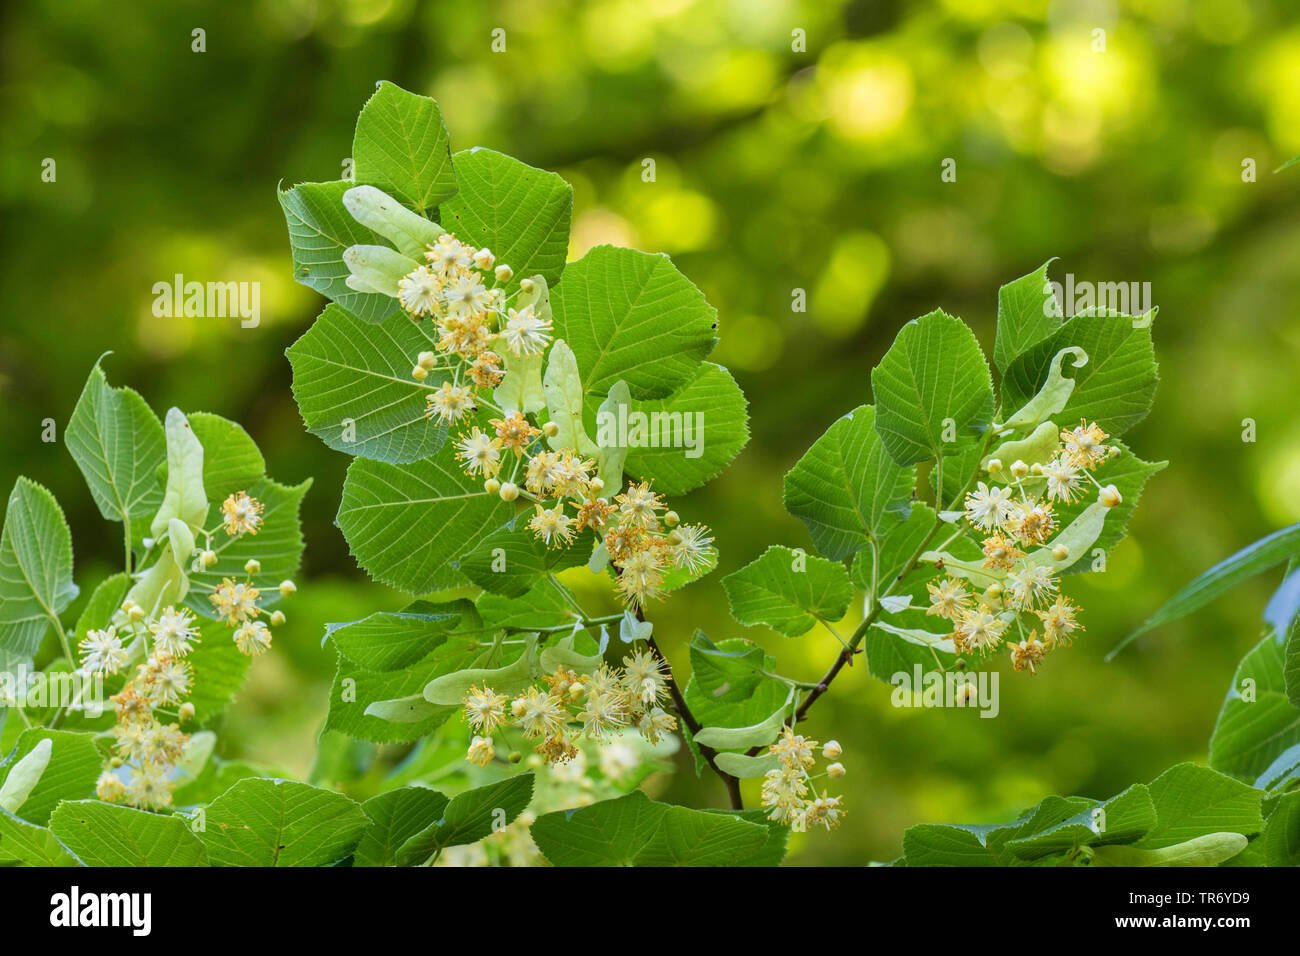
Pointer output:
x,y
527,286
484,259
186,712
831,749
1019,469
504,273
993,591
515,756
136,613
509,491
1060,552
492,486
671,519
994,466
253,566
208,558
550,429
419,373
426,360
288,588
835,770
517,707
277,618
117,761
1109,496
596,486
1036,469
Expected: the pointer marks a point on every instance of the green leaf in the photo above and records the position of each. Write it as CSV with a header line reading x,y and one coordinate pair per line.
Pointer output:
x,y
1257,723
935,844
30,845
1266,553
354,387
262,822
405,523
184,497
117,442
698,838
320,229
899,541
728,686
932,382
788,591
469,817
633,830
231,459
541,607
401,145
395,817
1192,801
74,766
1121,819
1117,385
631,315
692,435
562,387
607,833
745,767
1281,771
1291,664
35,569
1028,312
1281,837
846,489
450,688
511,559
356,689
387,641
758,734
894,648
522,214
778,834
105,834
1208,849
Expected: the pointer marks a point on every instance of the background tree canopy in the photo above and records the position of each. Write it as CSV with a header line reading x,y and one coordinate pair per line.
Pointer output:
x,y
775,170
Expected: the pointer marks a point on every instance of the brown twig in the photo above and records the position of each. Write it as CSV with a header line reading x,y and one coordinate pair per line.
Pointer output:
x,y
694,726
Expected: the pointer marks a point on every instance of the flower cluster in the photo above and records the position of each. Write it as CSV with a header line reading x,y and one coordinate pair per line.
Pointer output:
x,y
788,792
472,320
147,745
573,707
511,455
1012,519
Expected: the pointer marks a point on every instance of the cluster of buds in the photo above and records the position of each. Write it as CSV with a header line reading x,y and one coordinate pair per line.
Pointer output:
x,y
1012,518
789,793
572,707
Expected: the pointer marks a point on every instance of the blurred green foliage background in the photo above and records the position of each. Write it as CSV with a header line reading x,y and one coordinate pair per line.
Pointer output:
x,y
777,169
